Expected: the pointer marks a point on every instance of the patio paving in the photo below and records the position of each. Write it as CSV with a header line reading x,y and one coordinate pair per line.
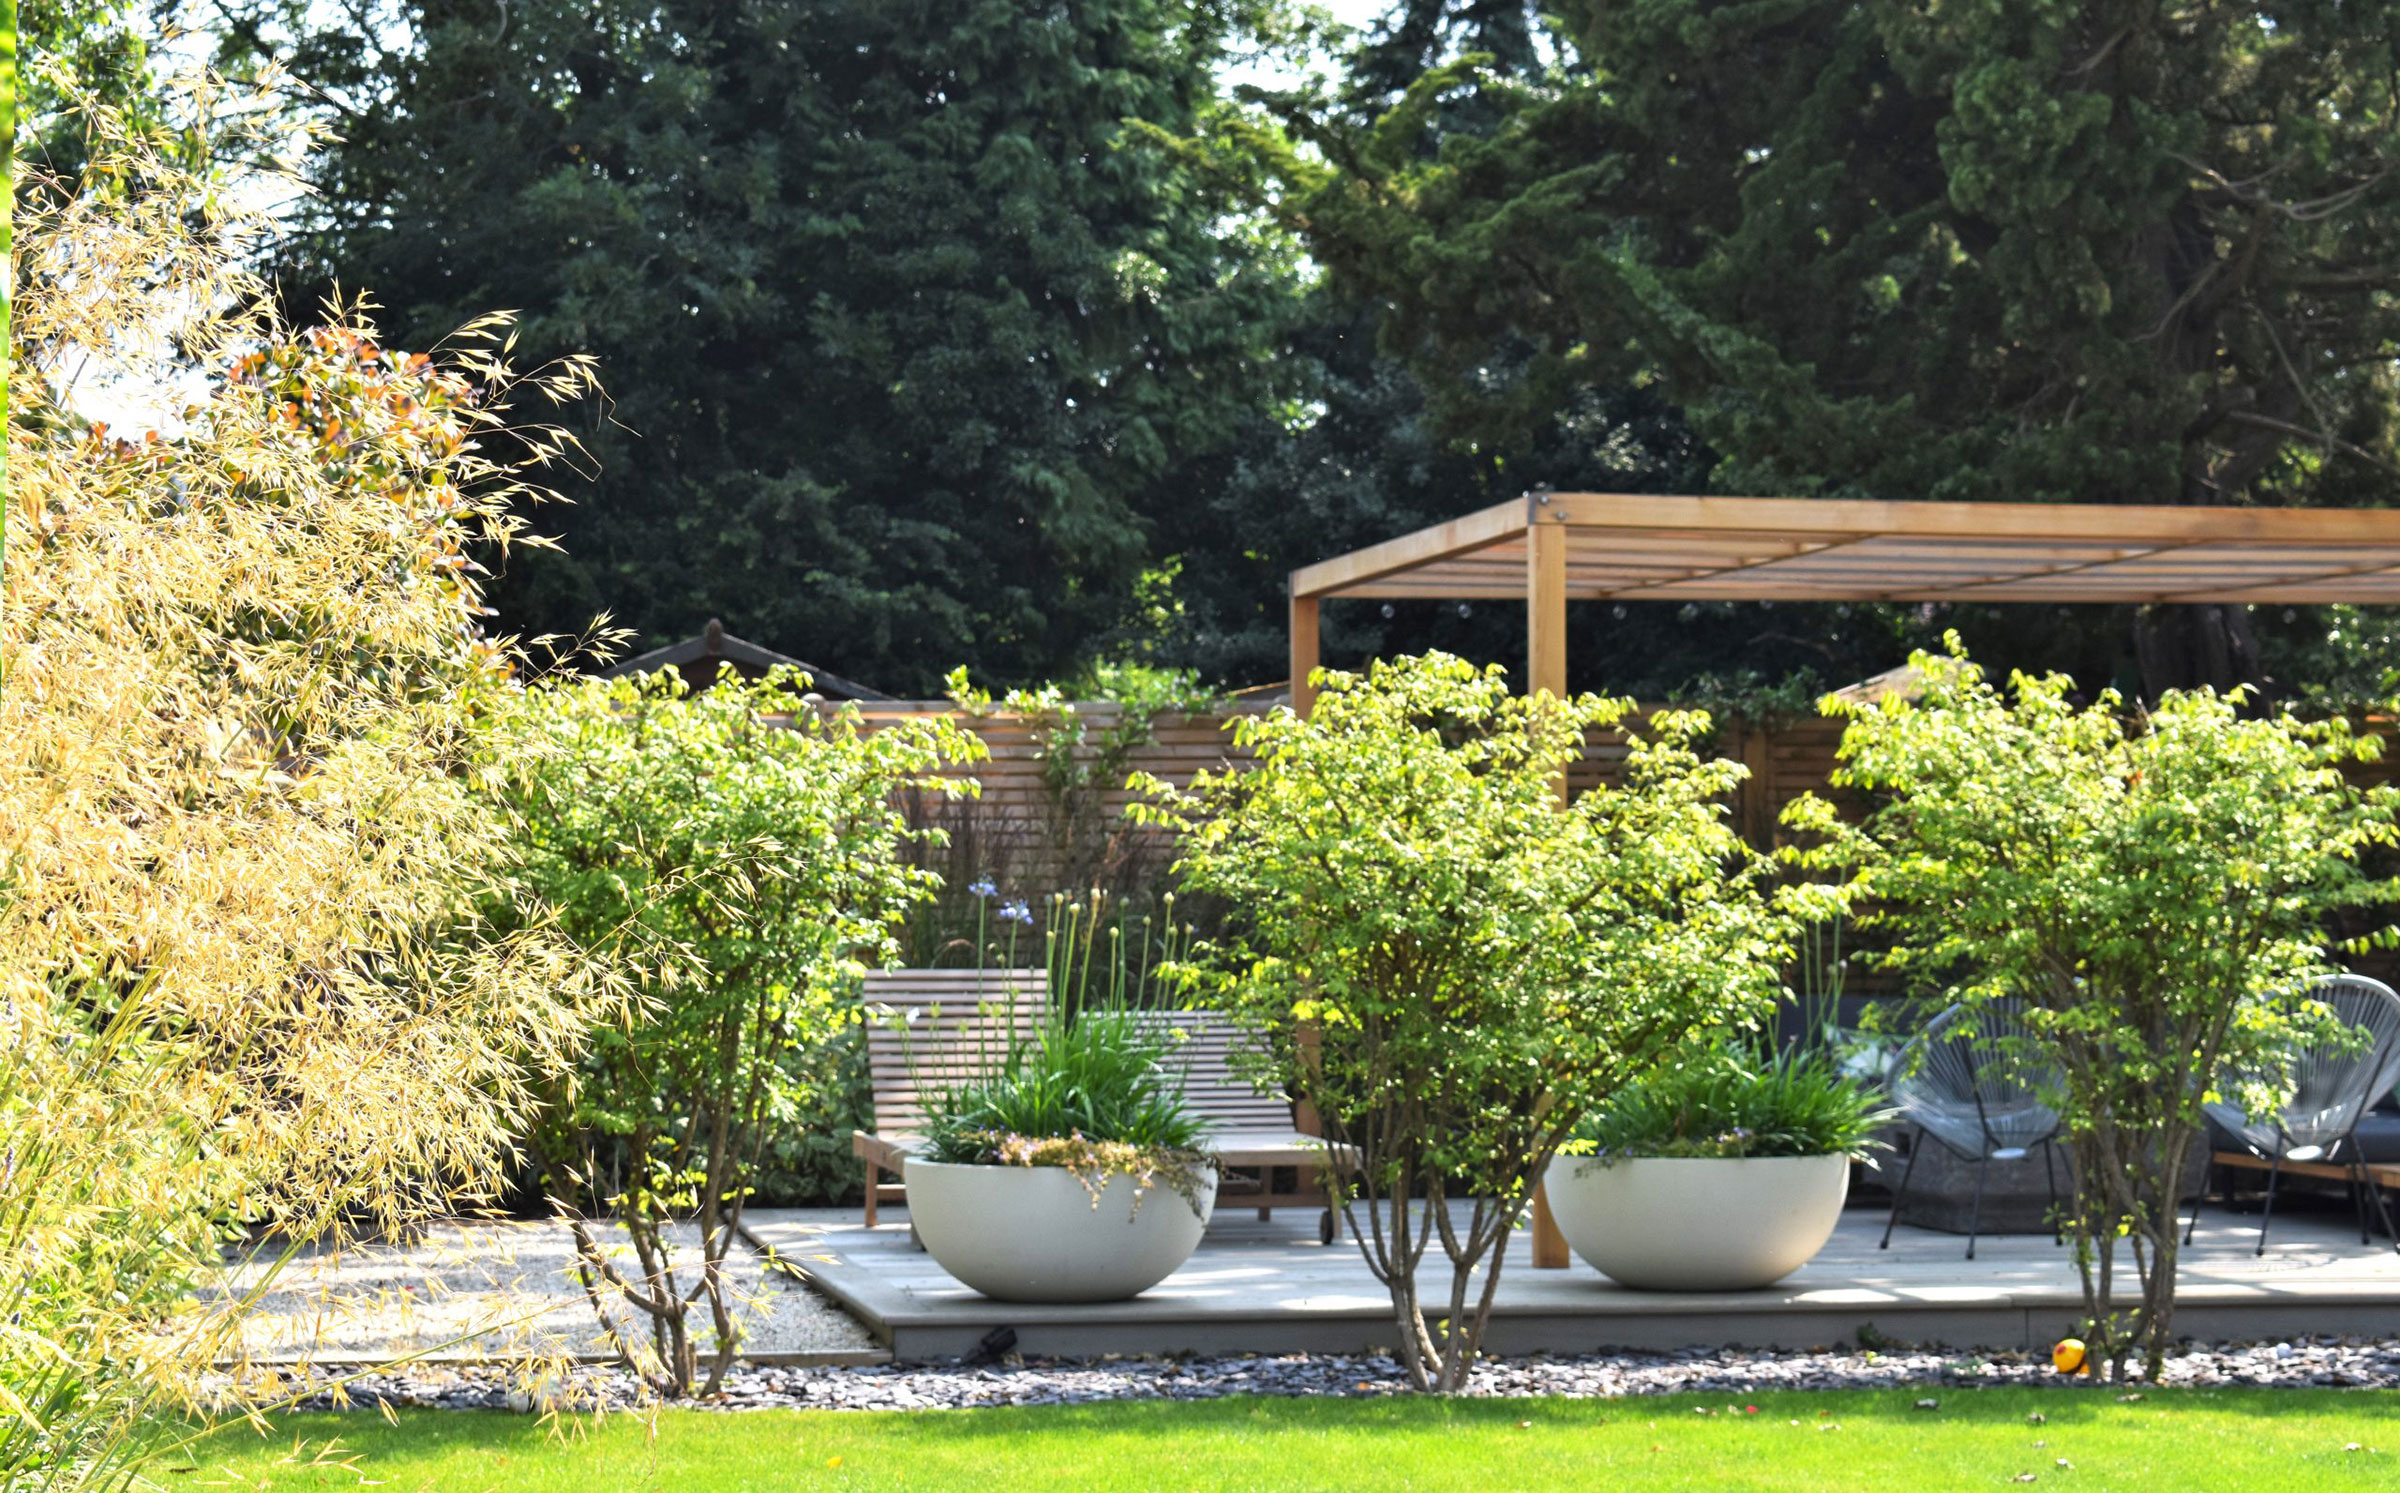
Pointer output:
x,y
1272,1288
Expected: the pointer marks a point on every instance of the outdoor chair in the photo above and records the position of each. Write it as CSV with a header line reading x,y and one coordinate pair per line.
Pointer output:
x,y
2333,1086
1963,1084
929,1028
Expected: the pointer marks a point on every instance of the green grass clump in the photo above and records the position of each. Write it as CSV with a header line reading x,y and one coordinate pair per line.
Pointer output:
x,y
1735,1101
2216,1439
1103,1075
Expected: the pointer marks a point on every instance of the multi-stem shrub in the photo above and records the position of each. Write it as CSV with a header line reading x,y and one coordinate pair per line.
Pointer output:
x,y
246,704
740,852
2151,888
1451,965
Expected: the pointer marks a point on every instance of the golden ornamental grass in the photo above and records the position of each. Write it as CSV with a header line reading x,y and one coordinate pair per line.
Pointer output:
x,y
245,993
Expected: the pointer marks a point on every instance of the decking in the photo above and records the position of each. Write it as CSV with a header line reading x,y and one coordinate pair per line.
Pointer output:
x,y
1272,1288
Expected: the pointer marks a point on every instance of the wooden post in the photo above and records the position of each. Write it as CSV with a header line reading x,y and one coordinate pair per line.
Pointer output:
x,y
1754,800
1304,653
1546,669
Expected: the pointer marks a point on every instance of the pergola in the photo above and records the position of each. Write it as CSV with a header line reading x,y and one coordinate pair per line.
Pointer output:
x,y
1552,548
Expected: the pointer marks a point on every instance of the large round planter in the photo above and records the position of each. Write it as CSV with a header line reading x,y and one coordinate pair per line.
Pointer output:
x,y
1032,1233
1660,1223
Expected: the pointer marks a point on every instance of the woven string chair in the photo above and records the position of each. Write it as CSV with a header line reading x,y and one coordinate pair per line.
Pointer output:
x,y
2332,1087
1964,1084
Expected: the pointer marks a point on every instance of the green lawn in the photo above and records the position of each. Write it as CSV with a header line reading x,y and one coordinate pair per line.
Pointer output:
x,y
2188,1441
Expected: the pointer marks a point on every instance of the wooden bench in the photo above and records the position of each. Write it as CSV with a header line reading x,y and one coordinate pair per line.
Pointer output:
x,y
928,1028
1249,1129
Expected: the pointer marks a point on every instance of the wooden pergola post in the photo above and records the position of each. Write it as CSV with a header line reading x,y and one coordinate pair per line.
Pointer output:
x,y
1304,653
1546,672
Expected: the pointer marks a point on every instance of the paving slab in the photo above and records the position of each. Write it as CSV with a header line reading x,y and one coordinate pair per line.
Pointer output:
x,y
1271,1287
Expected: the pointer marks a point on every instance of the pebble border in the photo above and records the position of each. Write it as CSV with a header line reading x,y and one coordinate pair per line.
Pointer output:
x,y
2356,1363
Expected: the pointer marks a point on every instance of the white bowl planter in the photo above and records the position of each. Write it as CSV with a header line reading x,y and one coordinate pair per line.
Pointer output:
x,y
1660,1223
1031,1233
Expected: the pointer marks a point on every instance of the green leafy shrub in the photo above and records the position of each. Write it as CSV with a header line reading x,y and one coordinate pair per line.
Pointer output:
x,y
2150,889
1450,965
1733,1101
740,853
823,1095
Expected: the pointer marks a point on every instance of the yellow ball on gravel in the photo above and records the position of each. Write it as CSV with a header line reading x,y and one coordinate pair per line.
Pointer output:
x,y
2069,1356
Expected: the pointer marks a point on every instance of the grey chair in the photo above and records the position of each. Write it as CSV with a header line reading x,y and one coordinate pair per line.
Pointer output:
x,y
1966,1085
2333,1085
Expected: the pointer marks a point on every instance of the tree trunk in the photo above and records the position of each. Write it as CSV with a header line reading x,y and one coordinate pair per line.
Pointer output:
x,y
2184,647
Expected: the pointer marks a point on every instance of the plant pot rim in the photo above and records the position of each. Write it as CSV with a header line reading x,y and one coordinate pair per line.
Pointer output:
x,y
1611,1160
1010,1166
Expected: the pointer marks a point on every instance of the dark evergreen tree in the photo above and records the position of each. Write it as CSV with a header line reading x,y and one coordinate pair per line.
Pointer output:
x,y
2092,251
906,331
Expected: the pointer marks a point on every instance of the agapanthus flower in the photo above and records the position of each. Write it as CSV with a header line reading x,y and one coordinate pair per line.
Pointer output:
x,y
1017,912
982,888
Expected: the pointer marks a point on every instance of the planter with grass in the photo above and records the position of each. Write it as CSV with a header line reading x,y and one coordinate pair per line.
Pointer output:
x,y
1071,1172
1723,1173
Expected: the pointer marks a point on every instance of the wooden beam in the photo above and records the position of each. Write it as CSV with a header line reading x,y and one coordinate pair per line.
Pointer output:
x,y
1459,536
2130,523
1304,653
1546,671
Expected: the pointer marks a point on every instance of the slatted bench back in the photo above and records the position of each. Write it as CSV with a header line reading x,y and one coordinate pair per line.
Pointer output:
x,y
930,1028
1225,1101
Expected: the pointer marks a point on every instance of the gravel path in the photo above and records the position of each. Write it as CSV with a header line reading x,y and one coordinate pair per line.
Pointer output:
x,y
498,1289
2301,1362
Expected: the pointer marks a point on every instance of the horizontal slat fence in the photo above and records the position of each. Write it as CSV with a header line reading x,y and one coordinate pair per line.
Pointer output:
x,y
1021,822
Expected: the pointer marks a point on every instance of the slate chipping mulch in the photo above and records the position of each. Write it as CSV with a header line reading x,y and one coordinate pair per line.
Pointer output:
x,y
2355,1363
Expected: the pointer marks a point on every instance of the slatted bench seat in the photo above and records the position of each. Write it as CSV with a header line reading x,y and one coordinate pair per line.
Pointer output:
x,y
1249,1129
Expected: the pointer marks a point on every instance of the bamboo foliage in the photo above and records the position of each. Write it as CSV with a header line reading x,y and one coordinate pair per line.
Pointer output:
x,y
245,1001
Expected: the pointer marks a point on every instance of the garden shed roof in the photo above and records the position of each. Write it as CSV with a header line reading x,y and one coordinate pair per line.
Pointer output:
x,y
702,659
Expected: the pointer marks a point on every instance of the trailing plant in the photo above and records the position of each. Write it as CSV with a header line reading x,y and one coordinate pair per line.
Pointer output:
x,y
247,1002
1451,965
1734,1100
745,869
2150,888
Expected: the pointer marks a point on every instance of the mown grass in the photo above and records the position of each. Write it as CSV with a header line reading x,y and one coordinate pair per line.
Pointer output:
x,y
2189,1441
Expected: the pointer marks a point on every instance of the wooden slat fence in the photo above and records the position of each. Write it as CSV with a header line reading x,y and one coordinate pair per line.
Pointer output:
x,y
1022,823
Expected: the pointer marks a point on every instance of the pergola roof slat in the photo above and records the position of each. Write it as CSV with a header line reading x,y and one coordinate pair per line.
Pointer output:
x,y
1803,549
